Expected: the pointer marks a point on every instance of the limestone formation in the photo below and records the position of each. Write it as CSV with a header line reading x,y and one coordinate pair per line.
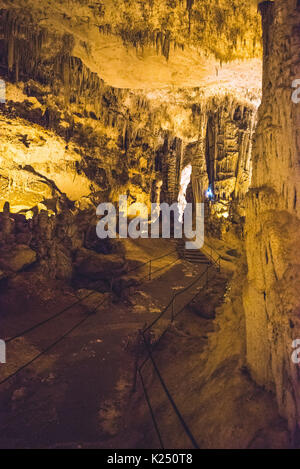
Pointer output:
x,y
161,102
271,297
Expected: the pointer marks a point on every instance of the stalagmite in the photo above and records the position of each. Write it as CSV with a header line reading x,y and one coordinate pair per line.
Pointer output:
x,y
106,104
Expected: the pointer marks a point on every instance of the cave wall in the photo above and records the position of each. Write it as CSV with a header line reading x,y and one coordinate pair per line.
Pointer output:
x,y
50,88
228,148
66,131
155,42
271,296
221,153
117,141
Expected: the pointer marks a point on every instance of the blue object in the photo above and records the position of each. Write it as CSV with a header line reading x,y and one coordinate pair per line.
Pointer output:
x,y
209,193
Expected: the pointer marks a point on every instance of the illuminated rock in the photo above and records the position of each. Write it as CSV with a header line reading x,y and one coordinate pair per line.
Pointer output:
x,y
17,259
271,297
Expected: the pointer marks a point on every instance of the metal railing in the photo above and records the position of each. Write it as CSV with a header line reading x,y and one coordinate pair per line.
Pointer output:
x,y
212,255
68,308
150,349
149,263
52,345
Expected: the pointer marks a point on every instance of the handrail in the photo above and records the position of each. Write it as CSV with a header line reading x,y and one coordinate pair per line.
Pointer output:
x,y
172,301
144,264
60,313
167,392
149,276
30,329
53,344
212,248
150,349
217,261
151,410
150,355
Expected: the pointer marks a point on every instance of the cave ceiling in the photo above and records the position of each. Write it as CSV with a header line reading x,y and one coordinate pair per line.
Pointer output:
x,y
153,44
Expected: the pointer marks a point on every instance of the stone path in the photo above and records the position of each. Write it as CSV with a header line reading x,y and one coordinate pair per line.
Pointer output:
x,y
75,395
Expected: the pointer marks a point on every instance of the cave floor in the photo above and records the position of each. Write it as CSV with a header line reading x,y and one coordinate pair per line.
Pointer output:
x,y
74,395
79,395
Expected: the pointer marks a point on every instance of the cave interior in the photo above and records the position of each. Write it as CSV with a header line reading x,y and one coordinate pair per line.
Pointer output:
x,y
149,103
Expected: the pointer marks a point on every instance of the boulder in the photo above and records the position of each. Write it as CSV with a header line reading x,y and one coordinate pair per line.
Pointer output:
x,y
124,286
63,265
98,266
24,238
17,259
203,309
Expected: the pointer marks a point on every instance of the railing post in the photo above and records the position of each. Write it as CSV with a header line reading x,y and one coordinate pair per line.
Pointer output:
x,y
136,367
172,312
136,361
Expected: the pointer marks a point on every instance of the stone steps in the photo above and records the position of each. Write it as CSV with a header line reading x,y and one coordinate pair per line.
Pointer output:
x,y
194,256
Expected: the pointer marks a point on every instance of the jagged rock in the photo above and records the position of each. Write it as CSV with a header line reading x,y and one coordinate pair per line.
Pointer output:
x,y
124,286
24,238
63,264
271,294
203,310
96,266
17,259
7,224
102,246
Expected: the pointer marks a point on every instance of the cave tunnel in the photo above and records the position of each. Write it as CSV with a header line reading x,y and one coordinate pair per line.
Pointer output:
x,y
149,226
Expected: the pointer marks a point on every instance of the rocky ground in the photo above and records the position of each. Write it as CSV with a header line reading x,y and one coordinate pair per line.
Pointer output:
x,y
202,360
80,393
75,395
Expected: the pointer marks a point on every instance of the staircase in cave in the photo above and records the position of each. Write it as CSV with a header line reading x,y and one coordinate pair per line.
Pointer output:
x,y
191,255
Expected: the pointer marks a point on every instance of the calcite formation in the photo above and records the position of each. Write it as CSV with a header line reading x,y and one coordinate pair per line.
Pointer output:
x,y
174,39
122,141
71,140
271,296
68,135
107,98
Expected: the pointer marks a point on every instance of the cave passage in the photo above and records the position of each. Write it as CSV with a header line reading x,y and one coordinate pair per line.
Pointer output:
x,y
136,337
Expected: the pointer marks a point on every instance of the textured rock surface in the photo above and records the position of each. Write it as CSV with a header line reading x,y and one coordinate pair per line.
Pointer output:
x,y
271,297
108,98
121,140
126,150
95,266
22,256
134,44
72,140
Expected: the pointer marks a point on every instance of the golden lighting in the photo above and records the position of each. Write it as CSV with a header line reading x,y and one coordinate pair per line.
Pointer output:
x,y
184,182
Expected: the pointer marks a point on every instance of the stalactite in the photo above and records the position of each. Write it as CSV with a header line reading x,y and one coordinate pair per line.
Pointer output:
x,y
189,7
10,59
166,47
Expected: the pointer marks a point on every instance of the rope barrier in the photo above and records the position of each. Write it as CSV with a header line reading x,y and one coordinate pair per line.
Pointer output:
x,y
171,400
42,323
60,313
50,347
151,411
150,348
